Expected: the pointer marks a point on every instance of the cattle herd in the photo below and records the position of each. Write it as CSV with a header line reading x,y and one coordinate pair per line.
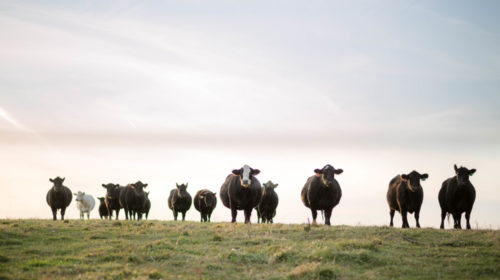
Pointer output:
x,y
242,191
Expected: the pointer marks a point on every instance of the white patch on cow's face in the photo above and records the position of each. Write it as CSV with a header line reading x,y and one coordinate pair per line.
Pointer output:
x,y
245,177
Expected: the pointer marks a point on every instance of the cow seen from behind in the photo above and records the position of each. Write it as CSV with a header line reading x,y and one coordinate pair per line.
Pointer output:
x,y
205,202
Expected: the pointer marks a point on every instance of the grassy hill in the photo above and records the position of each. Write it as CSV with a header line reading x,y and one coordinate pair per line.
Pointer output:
x,y
44,249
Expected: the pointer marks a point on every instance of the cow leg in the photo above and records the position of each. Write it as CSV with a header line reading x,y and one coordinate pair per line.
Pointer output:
x,y
315,215
63,211
175,215
233,214
209,216
328,214
88,215
139,215
183,215
443,216
391,214
467,218
405,219
54,213
248,213
117,212
456,220
417,216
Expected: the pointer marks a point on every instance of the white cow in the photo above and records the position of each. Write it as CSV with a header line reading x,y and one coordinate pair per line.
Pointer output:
x,y
85,203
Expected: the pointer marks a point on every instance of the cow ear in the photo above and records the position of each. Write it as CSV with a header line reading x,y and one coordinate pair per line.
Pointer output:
x,y
338,171
176,185
186,185
472,171
424,176
63,179
103,185
255,171
405,177
145,185
456,169
318,171
275,186
83,193
236,171
52,180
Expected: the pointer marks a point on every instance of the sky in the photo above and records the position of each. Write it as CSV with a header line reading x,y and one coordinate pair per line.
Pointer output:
x,y
173,92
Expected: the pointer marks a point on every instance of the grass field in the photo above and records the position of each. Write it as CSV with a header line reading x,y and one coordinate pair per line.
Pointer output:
x,y
95,249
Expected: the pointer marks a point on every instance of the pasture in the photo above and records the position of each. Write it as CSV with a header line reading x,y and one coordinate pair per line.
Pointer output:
x,y
97,249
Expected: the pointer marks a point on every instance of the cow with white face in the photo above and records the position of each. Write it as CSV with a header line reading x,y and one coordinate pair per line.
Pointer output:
x,y
85,203
241,191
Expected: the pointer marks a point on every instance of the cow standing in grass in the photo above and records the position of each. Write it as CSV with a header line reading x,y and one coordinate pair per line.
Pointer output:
x,y
132,200
241,191
58,197
103,210
112,198
84,203
205,202
405,194
147,206
179,201
266,210
322,192
457,195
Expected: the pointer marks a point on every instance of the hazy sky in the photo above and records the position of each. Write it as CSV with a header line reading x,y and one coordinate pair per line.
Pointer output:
x,y
186,91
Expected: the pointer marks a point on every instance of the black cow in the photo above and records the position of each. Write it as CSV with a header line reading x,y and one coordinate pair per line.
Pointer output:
x,y
205,202
405,194
147,206
322,192
112,198
241,191
457,195
132,200
266,210
179,200
58,197
103,210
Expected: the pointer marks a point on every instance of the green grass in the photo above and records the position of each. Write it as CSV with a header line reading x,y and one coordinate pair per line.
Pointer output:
x,y
44,249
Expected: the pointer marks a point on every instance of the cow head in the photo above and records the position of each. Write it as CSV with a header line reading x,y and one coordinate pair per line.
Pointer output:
x,y
138,187
79,196
463,174
111,190
58,183
246,174
181,188
327,174
101,199
209,199
269,186
412,180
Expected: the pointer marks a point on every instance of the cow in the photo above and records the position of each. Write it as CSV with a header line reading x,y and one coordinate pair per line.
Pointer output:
x,y
179,200
132,200
58,197
205,202
147,206
84,203
241,191
103,210
405,194
266,210
112,198
457,195
322,192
